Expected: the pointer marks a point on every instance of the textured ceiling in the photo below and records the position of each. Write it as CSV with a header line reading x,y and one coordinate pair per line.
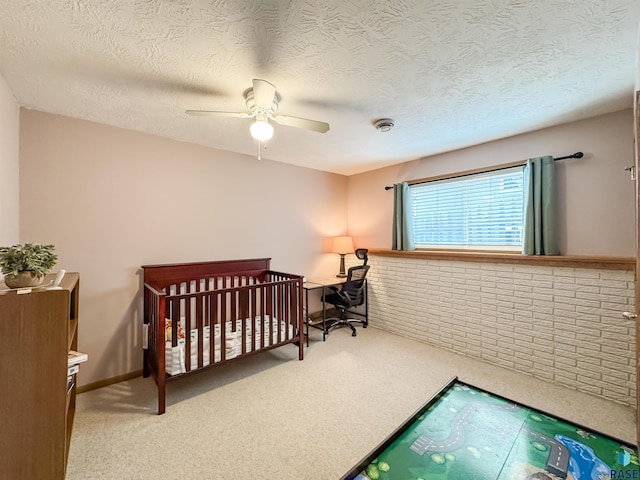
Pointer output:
x,y
450,73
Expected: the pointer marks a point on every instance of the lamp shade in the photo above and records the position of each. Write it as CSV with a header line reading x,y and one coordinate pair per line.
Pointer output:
x,y
261,130
342,245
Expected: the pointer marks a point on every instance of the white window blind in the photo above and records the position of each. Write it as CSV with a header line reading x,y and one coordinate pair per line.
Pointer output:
x,y
484,209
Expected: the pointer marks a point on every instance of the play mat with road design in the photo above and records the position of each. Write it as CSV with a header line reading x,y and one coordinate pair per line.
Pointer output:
x,y
469,434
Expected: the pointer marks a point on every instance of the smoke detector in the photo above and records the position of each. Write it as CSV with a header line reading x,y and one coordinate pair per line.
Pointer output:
x,y
383,125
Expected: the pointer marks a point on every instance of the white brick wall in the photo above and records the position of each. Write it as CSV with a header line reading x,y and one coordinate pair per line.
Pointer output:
x,y
561,324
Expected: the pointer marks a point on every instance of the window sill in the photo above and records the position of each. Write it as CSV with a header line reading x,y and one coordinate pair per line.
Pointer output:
x,y
570,261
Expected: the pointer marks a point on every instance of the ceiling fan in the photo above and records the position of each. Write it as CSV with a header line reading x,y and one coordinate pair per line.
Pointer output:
x,y
262,101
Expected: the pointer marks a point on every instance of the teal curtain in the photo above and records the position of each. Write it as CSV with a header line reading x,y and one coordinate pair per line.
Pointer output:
x,y
402,219
540,230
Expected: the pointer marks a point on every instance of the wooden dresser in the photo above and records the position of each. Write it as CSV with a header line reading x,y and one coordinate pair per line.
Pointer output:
x,y
37,330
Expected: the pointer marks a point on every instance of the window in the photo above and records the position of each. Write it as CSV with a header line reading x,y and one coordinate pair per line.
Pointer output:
x,y
477,210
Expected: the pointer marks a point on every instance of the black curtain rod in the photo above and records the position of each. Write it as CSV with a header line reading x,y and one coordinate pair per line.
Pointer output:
x,y
575,155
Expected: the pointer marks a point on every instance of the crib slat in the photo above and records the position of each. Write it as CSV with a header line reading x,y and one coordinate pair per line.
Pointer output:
x,y
223,324
288,326
175,315
234,313
293,310
263,313
213,322
287,316
199,327
253,318
281,293
240,300
186,310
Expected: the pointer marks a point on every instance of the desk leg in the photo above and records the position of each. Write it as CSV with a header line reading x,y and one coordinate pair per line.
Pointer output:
x,y
306,299
324,315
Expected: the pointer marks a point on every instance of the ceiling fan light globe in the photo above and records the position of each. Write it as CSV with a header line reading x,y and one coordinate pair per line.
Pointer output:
x,y
261,130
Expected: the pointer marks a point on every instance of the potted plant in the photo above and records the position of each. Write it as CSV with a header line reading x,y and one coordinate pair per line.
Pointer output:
x,y
26,265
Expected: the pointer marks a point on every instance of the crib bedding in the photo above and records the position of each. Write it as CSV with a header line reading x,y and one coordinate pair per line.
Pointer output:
x,y
266,335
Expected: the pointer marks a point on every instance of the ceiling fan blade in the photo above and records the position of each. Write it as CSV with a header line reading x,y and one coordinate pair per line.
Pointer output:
x,y
263,93
219,114
313,125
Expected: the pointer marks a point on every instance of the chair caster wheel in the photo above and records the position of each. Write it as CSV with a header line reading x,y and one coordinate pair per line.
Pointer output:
x,y
353,334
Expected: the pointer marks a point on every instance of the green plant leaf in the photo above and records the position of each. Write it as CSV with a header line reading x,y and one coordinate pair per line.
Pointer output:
x,y
30,257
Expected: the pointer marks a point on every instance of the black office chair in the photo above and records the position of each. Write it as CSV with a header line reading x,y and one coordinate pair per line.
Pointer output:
x,y
352,294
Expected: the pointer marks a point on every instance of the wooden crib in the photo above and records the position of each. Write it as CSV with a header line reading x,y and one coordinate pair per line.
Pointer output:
x,y
199,315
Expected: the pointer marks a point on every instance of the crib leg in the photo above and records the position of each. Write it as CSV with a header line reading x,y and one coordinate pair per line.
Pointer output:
x,y
145,364
161,396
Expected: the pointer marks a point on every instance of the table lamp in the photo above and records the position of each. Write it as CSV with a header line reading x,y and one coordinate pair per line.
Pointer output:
x,y
342,246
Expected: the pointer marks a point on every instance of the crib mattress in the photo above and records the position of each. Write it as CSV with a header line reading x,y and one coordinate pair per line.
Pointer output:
x,y
175,357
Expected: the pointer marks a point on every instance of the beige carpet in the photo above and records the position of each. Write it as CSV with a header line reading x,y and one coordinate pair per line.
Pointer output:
x,y
274,417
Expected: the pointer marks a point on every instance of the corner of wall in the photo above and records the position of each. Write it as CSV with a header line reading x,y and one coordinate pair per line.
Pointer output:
x,y
9,166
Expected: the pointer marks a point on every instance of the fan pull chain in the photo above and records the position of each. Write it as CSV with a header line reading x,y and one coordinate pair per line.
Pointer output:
x,y
260,145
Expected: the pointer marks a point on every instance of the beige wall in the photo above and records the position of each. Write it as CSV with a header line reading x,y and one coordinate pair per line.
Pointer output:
x,y
638,63
9,166
112,200
596,195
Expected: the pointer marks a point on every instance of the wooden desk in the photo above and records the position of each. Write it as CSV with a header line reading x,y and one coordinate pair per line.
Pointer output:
x,y
316,284
323,283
